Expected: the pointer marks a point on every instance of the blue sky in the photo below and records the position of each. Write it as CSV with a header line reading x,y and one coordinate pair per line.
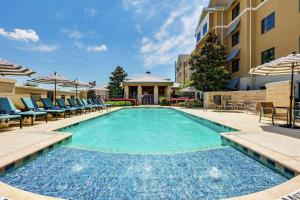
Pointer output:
x,y
88,39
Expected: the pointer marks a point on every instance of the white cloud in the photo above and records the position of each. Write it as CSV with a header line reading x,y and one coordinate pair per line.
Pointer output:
x,y
41,48
174,36
99,48
20,34
133,3
90,12
73,33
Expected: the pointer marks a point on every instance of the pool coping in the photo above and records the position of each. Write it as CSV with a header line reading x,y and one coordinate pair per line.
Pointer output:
x,y
232,137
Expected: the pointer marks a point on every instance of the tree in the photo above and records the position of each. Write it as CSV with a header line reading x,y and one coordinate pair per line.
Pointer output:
x,y
30,84
116,78
208,65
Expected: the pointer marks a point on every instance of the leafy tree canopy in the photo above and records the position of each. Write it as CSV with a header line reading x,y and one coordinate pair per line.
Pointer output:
x,y
116,78
208,65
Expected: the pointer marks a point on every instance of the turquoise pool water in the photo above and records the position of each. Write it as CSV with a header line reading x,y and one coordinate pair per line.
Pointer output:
x,y
146,131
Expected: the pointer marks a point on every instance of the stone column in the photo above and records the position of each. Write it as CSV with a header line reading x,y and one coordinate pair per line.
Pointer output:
x,y
155,94
126,91
169,88
139,94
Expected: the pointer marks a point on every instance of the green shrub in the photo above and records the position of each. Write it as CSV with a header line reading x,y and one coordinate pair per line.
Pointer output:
x,y
120,103
198,103
163,101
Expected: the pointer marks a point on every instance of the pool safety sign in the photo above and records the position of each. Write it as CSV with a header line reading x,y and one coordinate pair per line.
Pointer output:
x,y
292,196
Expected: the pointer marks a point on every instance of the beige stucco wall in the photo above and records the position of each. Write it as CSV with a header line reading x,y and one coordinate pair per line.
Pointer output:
x,y
284,36
278,93
7,87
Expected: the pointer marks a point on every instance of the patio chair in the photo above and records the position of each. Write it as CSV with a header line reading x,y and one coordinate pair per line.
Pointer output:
x,y
103,102
61,103
267,109
74,105
6,118
104,106
49,107
7,107
84,101
80,103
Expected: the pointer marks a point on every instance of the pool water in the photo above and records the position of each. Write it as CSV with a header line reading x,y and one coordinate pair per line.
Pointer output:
x,y
82,174
144,154
146,131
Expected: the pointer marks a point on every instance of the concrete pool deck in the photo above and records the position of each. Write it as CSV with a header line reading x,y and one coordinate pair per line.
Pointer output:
x,y
279,144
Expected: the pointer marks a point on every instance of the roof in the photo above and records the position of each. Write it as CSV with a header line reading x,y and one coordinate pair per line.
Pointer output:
x,y
147,78
215,5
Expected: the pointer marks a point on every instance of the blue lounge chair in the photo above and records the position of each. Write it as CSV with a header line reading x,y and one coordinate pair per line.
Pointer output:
x,y
74,105
31,104
48,105
103,102
61,103
80,102
7,117
85,102
7,107
91,102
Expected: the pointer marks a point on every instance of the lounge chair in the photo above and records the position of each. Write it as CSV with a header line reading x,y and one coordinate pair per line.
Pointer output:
x,y
7,107
7,117
85,102
267,109
103,102
31,104
74,105
88,107
61,103
48,105
91,102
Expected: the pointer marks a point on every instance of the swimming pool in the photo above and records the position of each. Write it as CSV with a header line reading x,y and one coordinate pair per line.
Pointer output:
x,y
146,131
88,168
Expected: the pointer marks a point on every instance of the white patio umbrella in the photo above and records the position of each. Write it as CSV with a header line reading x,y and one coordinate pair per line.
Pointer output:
x,y
191,89
51,79
77,84
10,69
285,65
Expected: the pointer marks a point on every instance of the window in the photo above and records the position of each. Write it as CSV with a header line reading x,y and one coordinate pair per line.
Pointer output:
x,y
235,38
204,29
268,55
235,11
268,23
235,65
198,36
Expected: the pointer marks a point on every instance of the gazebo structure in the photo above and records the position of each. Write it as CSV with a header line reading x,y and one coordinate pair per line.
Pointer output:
x,y
147,88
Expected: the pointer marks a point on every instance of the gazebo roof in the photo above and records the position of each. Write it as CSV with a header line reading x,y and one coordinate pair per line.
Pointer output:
x,y
148,78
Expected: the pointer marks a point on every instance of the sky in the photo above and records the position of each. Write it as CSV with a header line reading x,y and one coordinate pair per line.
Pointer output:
x,y
88,39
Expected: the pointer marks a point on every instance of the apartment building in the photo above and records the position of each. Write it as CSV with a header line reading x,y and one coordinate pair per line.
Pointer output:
x,y
183,69
254,32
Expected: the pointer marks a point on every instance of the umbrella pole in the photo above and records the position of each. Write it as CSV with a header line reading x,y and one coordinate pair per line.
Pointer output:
x,y
76,91
291,97
55,92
